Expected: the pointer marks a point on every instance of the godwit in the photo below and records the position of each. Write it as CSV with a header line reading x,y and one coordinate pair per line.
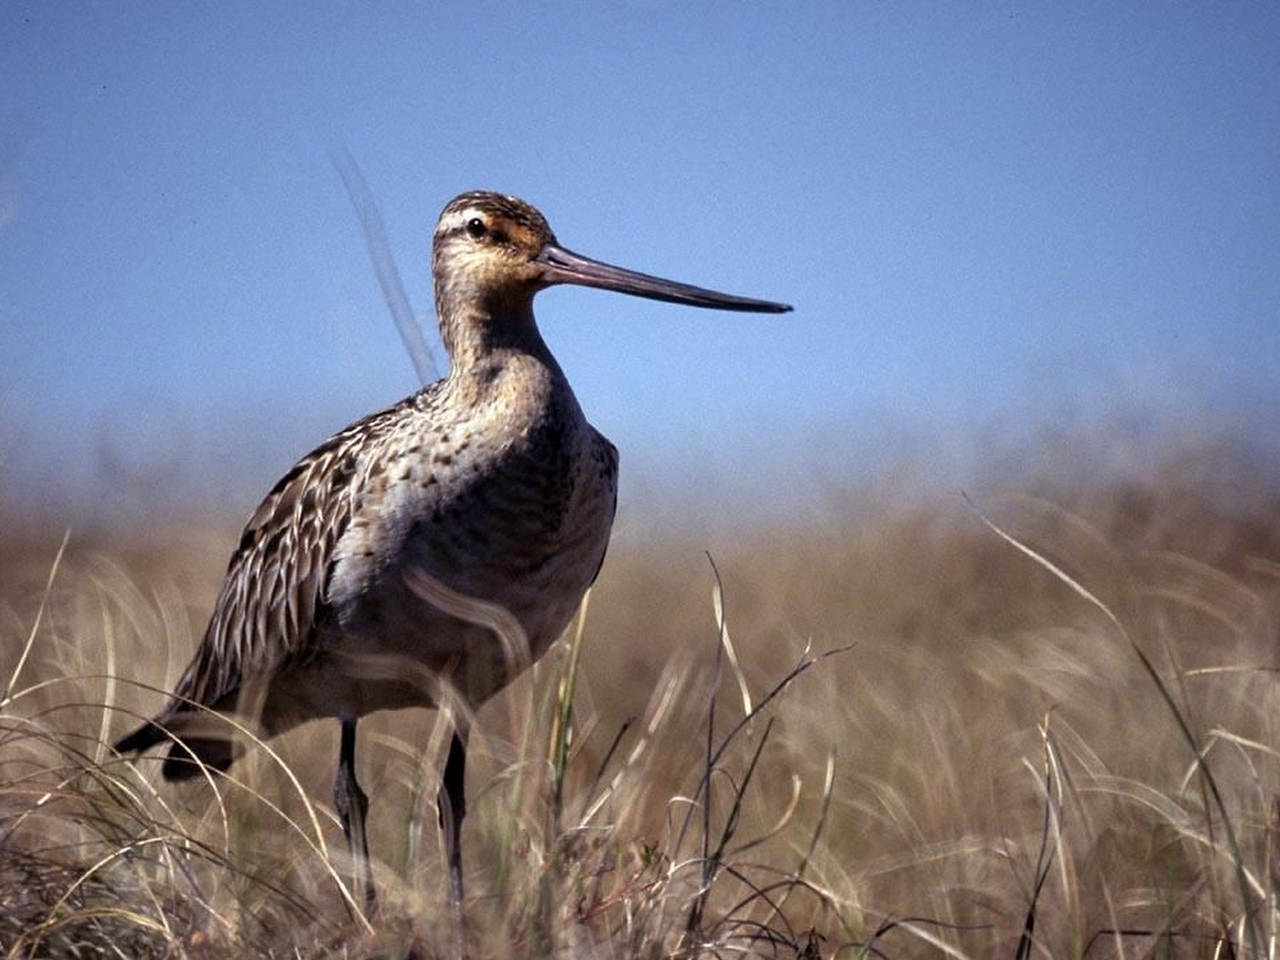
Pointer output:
x,y
489,484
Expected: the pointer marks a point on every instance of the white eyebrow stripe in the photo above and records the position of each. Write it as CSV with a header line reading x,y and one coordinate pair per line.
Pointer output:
x,y
456,219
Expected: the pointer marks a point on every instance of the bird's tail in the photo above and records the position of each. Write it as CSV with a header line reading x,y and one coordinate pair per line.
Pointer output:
x,y
188,756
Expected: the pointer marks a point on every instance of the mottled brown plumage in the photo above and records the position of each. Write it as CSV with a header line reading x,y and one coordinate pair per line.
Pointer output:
x,y
489,485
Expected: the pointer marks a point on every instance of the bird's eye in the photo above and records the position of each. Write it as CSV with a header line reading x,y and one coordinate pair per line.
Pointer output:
x,y
476,228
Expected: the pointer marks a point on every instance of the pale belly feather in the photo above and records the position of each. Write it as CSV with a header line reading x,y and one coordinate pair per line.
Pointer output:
x,y
522,531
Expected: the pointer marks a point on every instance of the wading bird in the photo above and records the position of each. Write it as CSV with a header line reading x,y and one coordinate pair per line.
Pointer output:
x,y
362,581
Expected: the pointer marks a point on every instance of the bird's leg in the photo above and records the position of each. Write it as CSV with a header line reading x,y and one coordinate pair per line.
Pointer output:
x,y
352,806
452,806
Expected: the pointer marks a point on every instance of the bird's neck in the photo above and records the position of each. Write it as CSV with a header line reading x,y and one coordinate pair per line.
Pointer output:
x,y
490,344
474,331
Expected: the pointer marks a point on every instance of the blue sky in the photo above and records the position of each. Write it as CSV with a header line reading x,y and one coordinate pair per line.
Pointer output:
x,y
988,217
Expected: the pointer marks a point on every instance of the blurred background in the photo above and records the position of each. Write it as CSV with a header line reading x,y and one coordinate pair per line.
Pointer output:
x,y
1004,227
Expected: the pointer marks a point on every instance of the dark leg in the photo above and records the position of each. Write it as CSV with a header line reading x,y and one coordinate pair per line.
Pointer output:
x,y
352,806
452,806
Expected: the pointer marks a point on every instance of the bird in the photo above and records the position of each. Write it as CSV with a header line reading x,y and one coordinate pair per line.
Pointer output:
x,y
352,587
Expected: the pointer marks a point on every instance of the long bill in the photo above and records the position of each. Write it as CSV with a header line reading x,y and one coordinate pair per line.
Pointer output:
x,y
565,266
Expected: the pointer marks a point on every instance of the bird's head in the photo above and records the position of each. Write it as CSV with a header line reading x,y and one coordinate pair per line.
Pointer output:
x,y
499,251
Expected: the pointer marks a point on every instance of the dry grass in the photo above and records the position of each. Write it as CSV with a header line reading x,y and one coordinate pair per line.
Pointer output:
x,y
1060,755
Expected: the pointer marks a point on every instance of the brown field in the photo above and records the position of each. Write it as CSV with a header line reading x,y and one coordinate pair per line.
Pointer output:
x,y
998,760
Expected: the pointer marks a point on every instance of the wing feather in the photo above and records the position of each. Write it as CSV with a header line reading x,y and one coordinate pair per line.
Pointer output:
x,y
272,599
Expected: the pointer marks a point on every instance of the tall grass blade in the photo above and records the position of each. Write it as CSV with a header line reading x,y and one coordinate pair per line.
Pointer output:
x,y
1249,913
35,625
384,266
